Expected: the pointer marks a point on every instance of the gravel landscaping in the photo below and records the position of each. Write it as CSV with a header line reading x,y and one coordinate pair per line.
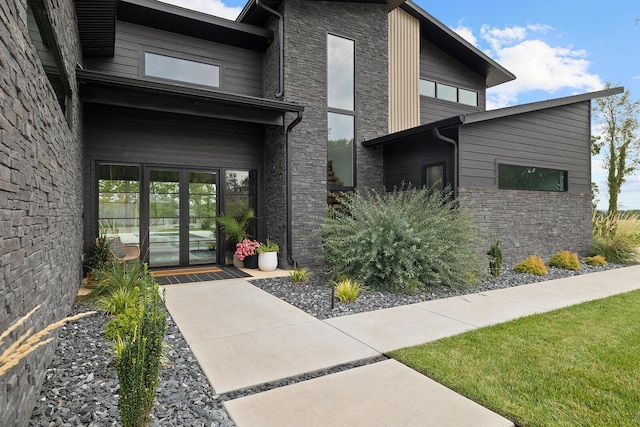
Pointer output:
x,y
81,386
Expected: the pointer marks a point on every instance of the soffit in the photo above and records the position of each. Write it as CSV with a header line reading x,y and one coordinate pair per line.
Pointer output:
x,y
154,14
96,26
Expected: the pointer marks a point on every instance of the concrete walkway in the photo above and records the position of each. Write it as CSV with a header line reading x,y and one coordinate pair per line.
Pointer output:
x,y
243,336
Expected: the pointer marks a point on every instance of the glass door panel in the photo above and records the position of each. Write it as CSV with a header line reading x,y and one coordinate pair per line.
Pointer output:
x,y
202,217
164,218
119,202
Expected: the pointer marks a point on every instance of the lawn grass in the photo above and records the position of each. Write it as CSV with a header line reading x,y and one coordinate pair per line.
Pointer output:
x,y
578,366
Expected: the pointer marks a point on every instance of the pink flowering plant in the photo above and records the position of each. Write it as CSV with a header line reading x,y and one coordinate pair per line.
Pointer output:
x,y
246,248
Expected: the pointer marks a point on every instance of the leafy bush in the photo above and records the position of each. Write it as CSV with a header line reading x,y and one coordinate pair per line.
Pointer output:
x,y
347,290
401,239
532,265
300,274
495,259
595,261
139,363
615,237
565,260
119,300
124,325
119,275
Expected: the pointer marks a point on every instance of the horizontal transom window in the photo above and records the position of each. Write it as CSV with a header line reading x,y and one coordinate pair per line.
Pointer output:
x,y
182,70
448,92
514,177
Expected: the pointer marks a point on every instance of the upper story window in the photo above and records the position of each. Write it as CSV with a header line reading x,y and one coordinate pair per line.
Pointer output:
x,y
448,92
340,113
183,70
515,177
340,73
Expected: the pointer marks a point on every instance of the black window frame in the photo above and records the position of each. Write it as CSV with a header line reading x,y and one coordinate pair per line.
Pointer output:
x,y
444,174
185,56
436,95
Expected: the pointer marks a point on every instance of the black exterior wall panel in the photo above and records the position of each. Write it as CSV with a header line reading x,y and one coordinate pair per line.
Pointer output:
x,y
240,69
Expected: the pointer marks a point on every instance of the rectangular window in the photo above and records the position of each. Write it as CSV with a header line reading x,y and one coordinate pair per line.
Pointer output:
x,y
340,73
434,177
341,112
513,177
446,92
119,201
468,97
427,88
340,150
183,70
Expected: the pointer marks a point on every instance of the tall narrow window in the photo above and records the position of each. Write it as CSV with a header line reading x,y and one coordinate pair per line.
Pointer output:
x,y
341,112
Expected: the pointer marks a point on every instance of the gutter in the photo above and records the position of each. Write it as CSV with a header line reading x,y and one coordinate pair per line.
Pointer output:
x,y
438,135
293,124
280,93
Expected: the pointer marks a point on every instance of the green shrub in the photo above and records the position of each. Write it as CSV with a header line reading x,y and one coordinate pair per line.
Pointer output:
x,y
347,290
532,265
565,260
119,300
124,325
139,363
400,240
119,275
595,261
300,274
495,259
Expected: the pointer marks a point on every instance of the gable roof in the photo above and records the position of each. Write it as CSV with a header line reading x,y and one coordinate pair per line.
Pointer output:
x,y
482,116
453,44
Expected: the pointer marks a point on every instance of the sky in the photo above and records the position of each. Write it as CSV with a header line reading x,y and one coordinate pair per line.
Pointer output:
x,y
555,49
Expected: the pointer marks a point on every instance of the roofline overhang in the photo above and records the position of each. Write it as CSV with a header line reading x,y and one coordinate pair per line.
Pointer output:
x,y
101,88
482,116
494,73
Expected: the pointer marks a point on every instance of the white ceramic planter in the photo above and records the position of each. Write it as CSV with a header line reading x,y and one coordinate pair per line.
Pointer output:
x,y
268,261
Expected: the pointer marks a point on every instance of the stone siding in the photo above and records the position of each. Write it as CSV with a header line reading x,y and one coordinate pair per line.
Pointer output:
x,y
40,195
306,26
531,222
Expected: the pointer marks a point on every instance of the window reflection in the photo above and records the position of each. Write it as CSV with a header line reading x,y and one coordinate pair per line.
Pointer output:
x,y
183,70
340,150
341,72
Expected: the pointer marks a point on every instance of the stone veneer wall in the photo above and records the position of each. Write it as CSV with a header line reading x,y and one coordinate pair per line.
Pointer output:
x,y
306,26
40,195
531,222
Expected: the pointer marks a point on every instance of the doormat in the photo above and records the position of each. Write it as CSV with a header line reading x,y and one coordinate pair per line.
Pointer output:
x,y
201,274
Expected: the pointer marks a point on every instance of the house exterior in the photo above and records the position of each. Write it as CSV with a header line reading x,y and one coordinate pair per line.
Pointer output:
x,y
144,120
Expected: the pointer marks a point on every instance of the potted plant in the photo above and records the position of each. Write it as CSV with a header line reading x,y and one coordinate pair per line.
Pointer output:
x,y
246,252
268,256
235,228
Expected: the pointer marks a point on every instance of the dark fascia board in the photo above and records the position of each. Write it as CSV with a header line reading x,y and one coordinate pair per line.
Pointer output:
x,y
482,116
456,46
108,89
255,15
414,131
179,20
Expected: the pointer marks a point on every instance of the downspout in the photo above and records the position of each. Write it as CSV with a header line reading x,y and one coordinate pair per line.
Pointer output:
x,y
280,93
441,137
293,124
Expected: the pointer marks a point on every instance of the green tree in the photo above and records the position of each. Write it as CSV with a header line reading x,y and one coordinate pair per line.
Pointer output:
x,y
618,115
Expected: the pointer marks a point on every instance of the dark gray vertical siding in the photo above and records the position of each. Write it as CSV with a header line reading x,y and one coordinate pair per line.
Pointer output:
x,y
438,66
404,161
554,138
241,69
136,136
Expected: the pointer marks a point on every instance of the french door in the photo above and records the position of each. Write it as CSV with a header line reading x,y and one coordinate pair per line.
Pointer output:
x,y
181,207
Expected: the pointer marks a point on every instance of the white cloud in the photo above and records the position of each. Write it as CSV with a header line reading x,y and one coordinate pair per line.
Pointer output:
x,y
466,33
211,7
536,64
